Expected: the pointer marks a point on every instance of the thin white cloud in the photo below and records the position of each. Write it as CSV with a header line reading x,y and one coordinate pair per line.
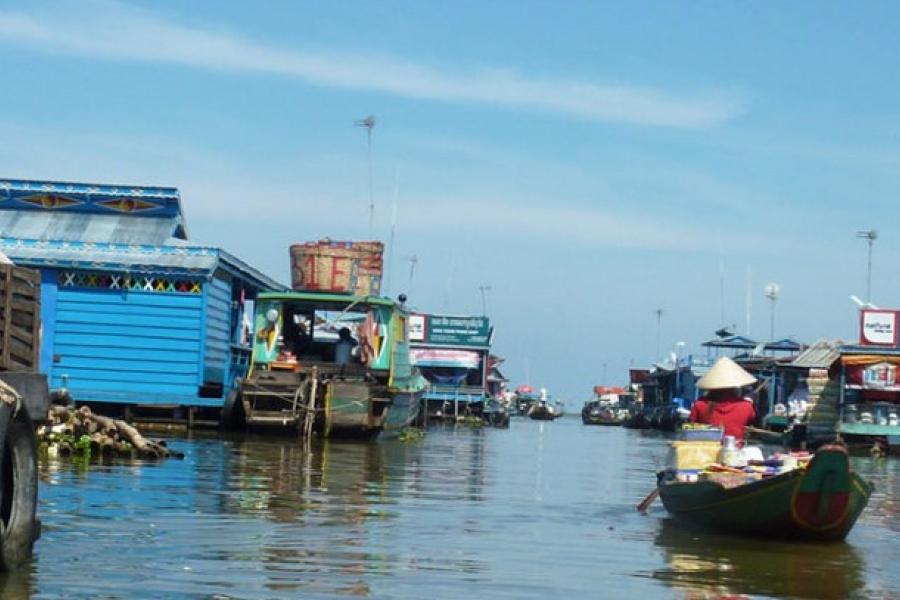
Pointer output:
x,y
113,31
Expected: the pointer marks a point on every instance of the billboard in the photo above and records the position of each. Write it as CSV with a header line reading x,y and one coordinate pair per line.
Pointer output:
x,y
878,327
450,330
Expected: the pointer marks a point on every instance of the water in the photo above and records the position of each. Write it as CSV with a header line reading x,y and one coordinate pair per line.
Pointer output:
x,y
542,510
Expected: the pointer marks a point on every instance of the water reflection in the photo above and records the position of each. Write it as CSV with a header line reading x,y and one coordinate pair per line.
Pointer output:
x,y
528,512
704,564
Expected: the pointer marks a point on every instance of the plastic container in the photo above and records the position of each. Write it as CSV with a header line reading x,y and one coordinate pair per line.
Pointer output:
x,y
693,455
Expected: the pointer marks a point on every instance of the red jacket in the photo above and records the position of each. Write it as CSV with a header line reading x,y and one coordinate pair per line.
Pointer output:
x,y
731,413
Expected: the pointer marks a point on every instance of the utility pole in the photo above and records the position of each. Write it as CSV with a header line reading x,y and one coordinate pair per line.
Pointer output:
x,y
659,313
870,235
772,291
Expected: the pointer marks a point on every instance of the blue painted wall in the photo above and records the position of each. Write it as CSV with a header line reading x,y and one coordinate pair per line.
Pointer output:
x,y
129,346
217,351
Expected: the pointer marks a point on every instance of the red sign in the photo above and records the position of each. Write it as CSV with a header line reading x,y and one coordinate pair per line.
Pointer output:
x,y
879,327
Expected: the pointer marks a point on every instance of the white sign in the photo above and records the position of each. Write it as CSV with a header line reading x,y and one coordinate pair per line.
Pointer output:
x,y
879,327
417,328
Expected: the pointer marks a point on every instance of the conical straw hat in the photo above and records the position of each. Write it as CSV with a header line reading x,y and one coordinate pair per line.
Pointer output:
x,y
725,374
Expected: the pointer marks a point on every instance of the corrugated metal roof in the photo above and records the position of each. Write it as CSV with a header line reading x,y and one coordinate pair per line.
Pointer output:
x,y
140,258
820,355
86,227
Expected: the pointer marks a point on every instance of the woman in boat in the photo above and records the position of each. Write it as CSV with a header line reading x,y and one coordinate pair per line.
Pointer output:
x,y
723,405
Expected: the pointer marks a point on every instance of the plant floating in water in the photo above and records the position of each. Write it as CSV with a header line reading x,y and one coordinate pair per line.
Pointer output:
x,y
411,434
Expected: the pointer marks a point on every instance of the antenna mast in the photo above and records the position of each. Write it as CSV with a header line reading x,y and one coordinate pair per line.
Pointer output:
x,y
369,124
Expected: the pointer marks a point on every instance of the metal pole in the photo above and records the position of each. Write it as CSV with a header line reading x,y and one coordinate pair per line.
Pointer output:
x,y
772,323
869,274
371,193
659,312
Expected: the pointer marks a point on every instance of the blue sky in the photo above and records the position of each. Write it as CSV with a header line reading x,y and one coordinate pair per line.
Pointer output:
x,y
591,162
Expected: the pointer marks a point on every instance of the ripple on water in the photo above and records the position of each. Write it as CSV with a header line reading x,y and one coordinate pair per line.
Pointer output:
x,y
540,510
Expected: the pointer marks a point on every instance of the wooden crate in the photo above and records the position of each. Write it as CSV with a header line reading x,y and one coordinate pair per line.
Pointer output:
x,y
20,318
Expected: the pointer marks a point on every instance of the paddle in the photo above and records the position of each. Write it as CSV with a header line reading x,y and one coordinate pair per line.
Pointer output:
x,y
646,502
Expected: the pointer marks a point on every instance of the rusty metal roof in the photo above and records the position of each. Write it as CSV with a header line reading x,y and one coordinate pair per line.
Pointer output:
x,y
820,355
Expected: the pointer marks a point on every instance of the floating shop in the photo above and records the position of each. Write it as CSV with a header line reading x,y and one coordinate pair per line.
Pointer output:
x,y
132,312
453,352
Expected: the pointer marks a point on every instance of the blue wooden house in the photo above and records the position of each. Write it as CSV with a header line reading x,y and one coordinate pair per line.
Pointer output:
x,y
132,312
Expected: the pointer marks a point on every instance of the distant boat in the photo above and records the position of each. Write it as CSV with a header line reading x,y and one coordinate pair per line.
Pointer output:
x,y
543,411
609,406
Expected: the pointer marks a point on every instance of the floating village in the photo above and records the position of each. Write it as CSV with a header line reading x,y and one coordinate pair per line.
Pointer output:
x,y
115,326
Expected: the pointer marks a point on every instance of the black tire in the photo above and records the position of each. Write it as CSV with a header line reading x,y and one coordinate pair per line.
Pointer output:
x,y
18,490
232,417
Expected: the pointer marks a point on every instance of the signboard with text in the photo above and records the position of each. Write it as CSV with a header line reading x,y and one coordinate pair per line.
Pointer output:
x,y
878,327
450,330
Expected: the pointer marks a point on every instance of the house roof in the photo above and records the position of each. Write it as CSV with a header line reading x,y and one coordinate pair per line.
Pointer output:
x,y
172,260
92,226
49,210
821,355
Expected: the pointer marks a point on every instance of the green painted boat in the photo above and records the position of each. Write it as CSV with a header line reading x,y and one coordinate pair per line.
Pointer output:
x,y
336,365
820,502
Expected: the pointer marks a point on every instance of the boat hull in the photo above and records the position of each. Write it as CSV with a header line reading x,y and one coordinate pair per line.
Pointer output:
x,y
820,503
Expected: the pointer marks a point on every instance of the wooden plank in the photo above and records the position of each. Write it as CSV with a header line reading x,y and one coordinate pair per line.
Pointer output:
x,y
7,317
24,335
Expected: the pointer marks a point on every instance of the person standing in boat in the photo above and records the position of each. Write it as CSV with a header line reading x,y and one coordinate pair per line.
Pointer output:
x,y
723,405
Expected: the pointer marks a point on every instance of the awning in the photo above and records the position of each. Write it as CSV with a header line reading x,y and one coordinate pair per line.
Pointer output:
x,y
439,357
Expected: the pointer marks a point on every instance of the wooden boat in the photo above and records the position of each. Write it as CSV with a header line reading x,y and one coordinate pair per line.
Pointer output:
x,y
608,406
820,502
300,379
543,411
595,413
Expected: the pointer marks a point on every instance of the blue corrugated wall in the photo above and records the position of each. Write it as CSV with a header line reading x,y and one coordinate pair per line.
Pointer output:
x,y
218,331
130,346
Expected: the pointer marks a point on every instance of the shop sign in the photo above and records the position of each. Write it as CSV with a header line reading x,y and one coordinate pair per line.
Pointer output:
x,y
878,327
416,328
880,376
450,330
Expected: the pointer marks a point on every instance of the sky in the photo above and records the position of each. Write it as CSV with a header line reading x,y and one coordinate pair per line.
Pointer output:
x,y
591,163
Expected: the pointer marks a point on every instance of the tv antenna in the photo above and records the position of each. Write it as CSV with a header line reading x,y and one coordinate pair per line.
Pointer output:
x,y
369,124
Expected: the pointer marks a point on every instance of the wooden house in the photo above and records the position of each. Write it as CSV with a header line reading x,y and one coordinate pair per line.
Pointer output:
x,y
132,312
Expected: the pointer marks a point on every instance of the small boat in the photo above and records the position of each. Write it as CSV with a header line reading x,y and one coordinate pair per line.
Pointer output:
x,y
543,411
609,406
820,502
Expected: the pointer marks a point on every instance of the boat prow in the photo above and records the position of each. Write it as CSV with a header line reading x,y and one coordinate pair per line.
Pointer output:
x,y
821,502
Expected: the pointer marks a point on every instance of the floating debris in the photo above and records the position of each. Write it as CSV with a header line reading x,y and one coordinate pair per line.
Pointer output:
x,y
80,432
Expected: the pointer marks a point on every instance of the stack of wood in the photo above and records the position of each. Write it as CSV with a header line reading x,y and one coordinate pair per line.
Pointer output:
x,y
78,430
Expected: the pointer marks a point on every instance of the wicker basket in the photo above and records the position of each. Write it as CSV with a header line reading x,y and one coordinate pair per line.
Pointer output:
x,y
339,267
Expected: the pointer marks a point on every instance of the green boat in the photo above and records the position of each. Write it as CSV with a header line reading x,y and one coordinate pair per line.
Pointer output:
x,y
820,502
330,364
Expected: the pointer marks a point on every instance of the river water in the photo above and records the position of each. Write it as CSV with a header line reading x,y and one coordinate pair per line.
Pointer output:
x,y
541,510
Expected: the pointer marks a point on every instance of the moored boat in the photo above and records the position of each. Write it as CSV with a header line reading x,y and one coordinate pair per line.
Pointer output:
x,y
609,406
819,502
310,372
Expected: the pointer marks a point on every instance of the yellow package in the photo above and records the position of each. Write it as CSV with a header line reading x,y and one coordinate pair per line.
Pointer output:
x,y
698,454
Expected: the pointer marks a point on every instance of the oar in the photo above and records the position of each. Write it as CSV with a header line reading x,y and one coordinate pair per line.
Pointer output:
x,y
646,502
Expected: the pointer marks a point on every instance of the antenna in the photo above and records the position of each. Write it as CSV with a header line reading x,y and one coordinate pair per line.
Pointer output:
x,y
484,288
390,256
413,261
369,124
